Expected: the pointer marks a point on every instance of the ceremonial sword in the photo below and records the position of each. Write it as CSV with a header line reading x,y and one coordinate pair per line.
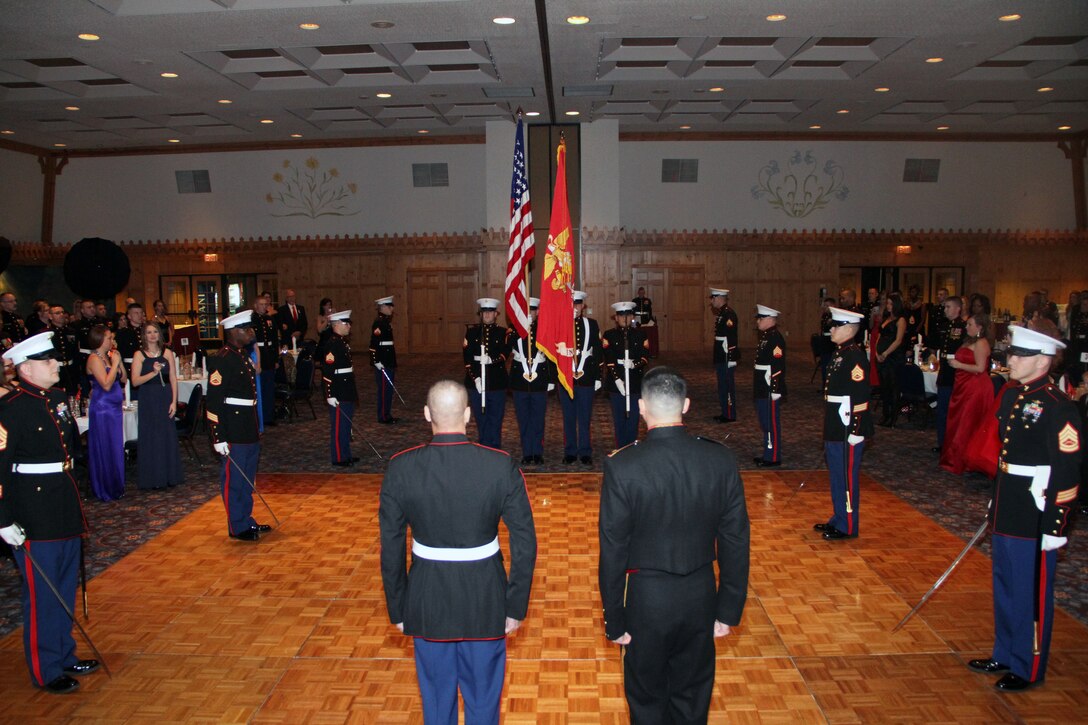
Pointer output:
x,y
379,455
394,387
254,487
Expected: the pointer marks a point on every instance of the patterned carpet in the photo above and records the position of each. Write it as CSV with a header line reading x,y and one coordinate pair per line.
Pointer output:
x,y
899,458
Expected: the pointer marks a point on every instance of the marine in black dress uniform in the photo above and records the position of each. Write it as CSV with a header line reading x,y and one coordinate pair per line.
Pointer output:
x,y
40,511
233,426
726,353
644,307
65,351
625,358
266,339
1034,493
532,376
456,599
769,384
383,358
338,377
577,410
955,332
847,422
670,506
485,349
129,340
12,326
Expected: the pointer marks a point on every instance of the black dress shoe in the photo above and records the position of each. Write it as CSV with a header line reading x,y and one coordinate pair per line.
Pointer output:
x,y
539,460
83,667
569,459
260,528
588,460
885,423
767,464
355,459
821,527
62,685
389,421
723,419
344,464
936,449
247,535
833,534
1015,683
990,667
526,460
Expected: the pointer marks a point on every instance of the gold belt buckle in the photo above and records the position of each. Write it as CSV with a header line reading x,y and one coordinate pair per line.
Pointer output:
x,y
1003,466
68,464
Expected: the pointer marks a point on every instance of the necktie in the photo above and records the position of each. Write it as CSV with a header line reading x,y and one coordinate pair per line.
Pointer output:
x,y
294,313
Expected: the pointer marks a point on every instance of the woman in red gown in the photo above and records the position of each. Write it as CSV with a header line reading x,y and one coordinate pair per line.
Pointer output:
x,y
972,394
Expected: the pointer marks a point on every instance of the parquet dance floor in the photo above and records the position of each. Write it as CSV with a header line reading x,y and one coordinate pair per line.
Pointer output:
x,y
199,628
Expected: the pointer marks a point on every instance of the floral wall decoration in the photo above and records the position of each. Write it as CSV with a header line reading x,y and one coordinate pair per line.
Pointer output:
x,y
311,192
801,188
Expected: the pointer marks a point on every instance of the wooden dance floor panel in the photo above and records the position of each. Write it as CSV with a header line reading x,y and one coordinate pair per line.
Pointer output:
x,y
199,628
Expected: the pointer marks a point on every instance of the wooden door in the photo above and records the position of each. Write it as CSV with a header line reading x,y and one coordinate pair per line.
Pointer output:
x,y
679,297
440,303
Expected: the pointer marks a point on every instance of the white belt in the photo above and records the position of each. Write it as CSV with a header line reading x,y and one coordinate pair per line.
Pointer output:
x,y
719,339
518,357
766,373
480,359
1040,479
39,467
126,360
950,356
385,342
86,352
472,554
844,406
763,367
1018,470
341,371
62,363
239,401
260,344
837,398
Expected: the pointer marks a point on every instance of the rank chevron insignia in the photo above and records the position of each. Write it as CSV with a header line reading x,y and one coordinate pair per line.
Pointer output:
x,y
1068,439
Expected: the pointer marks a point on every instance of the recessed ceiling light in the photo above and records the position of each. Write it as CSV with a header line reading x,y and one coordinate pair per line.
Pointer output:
x,y
577,19
942,128
7,132
934,60
383,95
503,21
60,145
267,120
1009,18
698,17
572,113
225,101
296,135
843,110
532,113
716,89
382,24
71,108
882,89
169,74
173,140
308,26
685,127
1060,128
776,18
815,126
1045,89
422,130
88,36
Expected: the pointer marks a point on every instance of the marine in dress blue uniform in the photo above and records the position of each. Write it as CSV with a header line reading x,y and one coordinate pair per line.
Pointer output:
x,y
485,349
726,353
954,333
266,341
1034,493
769,384
40,511
338,378
456,599
847,422
532,376
383,358
66,351
625,359
671,506
578,410
233,426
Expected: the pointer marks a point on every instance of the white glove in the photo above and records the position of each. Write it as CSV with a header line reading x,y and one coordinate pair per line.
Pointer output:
x,y
596,386
551,387
1038,486
332,401
480,386
776,396
732,364
485,359
854,440
222,449
629,364
725,346
621,387
1050,543
379,366
13,535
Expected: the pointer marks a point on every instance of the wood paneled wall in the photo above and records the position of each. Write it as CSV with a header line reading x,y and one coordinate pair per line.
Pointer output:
x,y
785,270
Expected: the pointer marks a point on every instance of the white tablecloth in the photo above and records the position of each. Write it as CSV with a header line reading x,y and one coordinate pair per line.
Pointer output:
x,y
185,387
130,419
929,377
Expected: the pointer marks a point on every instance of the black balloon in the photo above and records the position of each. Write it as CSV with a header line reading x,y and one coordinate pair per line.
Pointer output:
x,y
5,253
96,268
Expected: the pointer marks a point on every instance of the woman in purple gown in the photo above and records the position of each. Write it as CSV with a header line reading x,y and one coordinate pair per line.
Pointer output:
x,y
106,436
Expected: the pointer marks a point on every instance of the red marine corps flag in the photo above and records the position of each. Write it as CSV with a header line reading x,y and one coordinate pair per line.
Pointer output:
x,y
555,322
521,242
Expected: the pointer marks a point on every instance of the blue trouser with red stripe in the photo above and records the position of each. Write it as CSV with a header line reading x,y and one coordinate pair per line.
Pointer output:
x,y
1014,604
340,431
489,417
530,408
624,421
476,667
576,414
47,629
844,469
770,422
385,392
236,491
727,389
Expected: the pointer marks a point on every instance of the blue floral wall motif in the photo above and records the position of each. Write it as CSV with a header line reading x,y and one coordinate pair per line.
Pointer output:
x,y
801,189
311,192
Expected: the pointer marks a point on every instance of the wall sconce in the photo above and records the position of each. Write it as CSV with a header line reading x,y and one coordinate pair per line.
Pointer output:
x,y
215,257
903,249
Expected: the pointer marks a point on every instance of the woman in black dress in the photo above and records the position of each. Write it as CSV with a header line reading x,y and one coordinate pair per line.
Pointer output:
x,y
891,353
158,460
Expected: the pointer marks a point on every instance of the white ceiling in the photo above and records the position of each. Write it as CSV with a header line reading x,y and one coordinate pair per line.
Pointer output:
x,y
650,64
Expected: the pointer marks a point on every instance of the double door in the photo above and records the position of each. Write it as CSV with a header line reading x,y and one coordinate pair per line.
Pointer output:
x,y
441,302
680,299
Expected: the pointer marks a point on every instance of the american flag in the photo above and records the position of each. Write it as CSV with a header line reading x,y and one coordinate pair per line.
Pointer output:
x,y
521,242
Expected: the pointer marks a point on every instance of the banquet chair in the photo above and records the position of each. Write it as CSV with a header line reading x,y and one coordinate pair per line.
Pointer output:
x,y
913,396
302,389
190,420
